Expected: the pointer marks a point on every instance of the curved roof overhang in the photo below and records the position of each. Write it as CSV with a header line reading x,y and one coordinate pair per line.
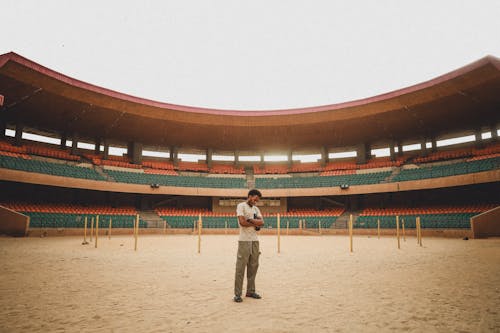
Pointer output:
x,y
44,99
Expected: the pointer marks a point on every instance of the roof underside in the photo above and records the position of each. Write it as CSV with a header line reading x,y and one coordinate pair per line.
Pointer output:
x,y
43,99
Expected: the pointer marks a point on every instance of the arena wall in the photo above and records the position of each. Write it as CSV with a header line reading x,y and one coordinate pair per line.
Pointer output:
x,y
13,223
486,224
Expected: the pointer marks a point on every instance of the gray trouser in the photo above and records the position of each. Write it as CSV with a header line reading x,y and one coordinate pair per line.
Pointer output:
x,y
248,256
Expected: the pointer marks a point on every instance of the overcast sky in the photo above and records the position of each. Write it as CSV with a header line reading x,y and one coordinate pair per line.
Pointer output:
x,y
252,55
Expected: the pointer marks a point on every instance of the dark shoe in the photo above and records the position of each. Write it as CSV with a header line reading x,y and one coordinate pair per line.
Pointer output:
x,y
254,295
237,299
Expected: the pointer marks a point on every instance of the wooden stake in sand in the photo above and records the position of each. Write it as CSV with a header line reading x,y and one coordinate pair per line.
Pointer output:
x,y
136,231
109,231
164,227
91,228
85,232
419,233
287,225
199,233
378,228
350,234
96,230
403,224
225,227
397,231
279,233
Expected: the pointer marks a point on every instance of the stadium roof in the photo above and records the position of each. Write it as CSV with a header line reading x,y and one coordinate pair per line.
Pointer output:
x,y
46,100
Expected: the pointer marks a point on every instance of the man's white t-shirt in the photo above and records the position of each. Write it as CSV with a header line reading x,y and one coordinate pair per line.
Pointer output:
x,y
244,209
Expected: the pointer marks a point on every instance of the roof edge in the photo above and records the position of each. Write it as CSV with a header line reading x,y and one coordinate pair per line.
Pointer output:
x,y
12,56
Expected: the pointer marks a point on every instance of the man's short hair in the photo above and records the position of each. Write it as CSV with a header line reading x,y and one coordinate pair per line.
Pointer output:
x,y
254,192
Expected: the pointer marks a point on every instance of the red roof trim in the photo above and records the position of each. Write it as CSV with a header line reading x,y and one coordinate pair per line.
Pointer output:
x,y
11,56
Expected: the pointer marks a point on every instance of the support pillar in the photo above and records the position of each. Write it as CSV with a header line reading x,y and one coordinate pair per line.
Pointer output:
x,y
64,140
106,150
392,152
478,139
363,153
209,154
134,152
423,147
97,149
494,133
74,144
19,135
236,158
400,149
324,156
289,156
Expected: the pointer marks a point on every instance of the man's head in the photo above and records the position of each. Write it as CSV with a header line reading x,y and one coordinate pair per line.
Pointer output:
x,y
254,196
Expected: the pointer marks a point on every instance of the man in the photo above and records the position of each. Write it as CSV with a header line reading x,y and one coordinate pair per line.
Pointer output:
x,y
250,221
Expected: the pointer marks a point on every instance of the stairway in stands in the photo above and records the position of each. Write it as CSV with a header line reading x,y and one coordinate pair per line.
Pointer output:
x,y
342,221
99,169
152,219
250,177
394,173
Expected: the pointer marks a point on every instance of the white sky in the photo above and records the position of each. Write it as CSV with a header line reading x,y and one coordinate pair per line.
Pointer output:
x,y
251,55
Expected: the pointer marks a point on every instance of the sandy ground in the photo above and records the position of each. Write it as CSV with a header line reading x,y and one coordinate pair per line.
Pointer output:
x,y
56,284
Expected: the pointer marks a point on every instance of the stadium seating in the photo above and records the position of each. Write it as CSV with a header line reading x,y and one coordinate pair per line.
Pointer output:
x,y
226,169
183,181
56,169
448,169
321,181
186,218
430,217
72,216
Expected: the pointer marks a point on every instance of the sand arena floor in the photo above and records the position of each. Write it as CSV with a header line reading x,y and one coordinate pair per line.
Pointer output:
x,y
56,284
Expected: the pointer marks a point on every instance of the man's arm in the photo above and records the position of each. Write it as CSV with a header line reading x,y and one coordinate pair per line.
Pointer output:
x,y
250,223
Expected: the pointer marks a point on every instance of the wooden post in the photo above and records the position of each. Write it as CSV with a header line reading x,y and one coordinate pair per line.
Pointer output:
x,y
287,226
194,225
199,233
96,230
136,231
397,231
85,232
350,234
164,227
419,232
378,228
279,231
225,227
110,223
403,224
91,228
319,227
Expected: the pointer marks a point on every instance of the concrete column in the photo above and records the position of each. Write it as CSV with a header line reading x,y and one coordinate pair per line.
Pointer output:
x,y
363,153
477,136
400,148
209,154
236,158
3,128
64,139
19,135
494,133
74,144
423,147
392,153
106,149
324,156
134,152
434,145
289,156
174,155
97,149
